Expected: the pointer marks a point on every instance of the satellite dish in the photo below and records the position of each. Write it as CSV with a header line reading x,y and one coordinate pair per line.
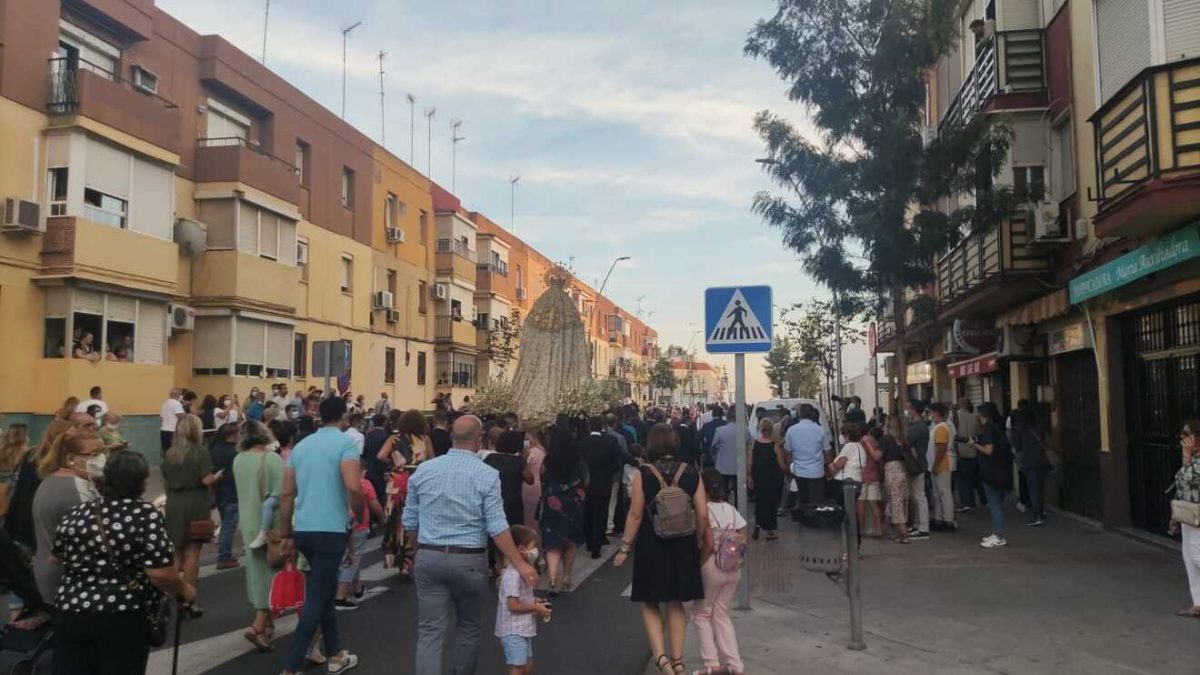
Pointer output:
x,y
192,236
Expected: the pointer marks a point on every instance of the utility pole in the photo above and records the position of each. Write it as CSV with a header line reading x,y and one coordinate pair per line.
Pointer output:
x,y
429,113
266,18
346,34
455,139
512,201
382,121
412,128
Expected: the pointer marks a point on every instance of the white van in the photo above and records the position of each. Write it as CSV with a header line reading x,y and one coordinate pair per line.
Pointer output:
x,y
772,411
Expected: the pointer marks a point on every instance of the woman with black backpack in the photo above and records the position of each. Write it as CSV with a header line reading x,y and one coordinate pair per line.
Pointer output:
x,y
668,520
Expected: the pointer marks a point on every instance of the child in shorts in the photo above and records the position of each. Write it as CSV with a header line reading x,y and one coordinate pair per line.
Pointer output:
x,y
518,609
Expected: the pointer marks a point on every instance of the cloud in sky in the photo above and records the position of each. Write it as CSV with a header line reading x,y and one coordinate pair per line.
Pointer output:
x,y
629,122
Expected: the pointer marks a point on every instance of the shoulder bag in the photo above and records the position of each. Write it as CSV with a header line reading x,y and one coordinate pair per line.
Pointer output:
x,y
275,557
155,616
1185,512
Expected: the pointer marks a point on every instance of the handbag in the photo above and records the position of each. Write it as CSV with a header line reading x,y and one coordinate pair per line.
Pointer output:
x,y
1185,512
155,616
201,530
275,556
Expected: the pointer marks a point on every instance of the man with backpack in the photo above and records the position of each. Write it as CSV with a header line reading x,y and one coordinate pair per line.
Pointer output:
x,y
917,436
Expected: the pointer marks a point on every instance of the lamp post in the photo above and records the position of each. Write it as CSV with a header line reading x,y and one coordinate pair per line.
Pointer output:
x,y
346,34
610,271
455,139
512,201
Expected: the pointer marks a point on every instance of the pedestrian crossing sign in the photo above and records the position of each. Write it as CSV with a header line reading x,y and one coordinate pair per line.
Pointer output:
x,y
737,319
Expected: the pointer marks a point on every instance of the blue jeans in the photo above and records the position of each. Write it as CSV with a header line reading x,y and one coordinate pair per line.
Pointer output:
x,y
1036,480
995,504
324,552
229,523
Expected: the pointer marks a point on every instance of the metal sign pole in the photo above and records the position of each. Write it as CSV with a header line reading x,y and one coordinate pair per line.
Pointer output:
x,y
739,445
852,571
328,366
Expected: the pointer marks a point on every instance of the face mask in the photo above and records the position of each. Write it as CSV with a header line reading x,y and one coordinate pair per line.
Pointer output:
x,y
526,443
225,403
111,427
531,555
95,466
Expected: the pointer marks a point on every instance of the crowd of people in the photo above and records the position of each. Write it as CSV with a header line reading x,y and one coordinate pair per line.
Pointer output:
x,y
464,502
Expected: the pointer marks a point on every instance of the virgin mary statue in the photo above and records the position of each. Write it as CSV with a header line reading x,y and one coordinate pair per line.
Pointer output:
x,y
555,353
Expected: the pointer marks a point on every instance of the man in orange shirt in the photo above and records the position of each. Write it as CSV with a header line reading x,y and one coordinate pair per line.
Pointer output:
x,y
941,466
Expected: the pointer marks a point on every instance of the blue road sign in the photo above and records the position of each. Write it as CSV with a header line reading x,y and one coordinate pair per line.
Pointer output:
x,y
737,319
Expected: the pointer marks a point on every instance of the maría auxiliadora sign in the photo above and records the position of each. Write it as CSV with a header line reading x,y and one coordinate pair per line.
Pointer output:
x,y
1169,250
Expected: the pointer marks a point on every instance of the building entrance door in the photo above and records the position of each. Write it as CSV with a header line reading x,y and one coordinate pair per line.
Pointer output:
x,y
1079,403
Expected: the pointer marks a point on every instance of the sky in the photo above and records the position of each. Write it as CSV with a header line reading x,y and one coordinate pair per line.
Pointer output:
x,y
629,123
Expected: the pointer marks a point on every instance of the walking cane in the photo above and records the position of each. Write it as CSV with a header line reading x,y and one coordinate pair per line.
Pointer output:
x,y
178,636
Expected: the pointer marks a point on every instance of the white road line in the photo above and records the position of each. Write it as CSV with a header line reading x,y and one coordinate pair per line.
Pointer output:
x,y
585,567
627,592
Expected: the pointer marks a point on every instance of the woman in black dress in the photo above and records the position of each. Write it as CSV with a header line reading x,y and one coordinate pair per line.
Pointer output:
x,y
508,460
665,570
766,470
564,477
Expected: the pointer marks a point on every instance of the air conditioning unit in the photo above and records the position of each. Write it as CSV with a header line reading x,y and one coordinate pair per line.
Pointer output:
x,y
1014,341
393,316
395,235
382,300
183,318
439,292
22,216
145,80
521,293
1047,226
928,136
301,255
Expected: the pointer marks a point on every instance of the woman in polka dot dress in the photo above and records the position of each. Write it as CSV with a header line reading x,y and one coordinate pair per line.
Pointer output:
x,y
109,587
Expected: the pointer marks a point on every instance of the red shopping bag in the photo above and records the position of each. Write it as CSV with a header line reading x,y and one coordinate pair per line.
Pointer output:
x,y
287,589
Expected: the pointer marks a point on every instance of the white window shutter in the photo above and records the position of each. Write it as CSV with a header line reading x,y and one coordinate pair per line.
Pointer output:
x,y
151,339
247,228
210,342
1181,29
122,308
250,337
89,302
1123,42
279,346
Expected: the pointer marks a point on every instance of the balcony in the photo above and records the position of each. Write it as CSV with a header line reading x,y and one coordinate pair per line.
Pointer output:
x,y
1009,73
234,160
455,257
244,281
492,278
1000,254
78,87
1148,152
457,331
84,249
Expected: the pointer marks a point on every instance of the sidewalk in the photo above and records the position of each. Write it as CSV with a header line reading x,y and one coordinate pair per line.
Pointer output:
x,y
1066,598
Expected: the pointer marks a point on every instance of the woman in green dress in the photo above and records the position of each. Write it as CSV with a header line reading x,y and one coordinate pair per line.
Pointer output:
x,y
188,476
258,473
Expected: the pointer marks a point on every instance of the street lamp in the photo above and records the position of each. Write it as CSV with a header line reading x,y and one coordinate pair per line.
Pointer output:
x,y
610,271
512,202
345,34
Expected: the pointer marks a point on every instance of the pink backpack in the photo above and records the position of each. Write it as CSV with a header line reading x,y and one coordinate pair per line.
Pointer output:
x,y
729,547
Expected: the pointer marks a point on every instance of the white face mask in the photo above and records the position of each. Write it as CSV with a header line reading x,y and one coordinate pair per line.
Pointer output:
x,y
111,427
526,443
95,466
531,555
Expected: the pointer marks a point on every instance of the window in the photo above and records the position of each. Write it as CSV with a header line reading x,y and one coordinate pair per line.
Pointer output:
x,y
104,209
422,297
391,285
456,310
56,190
390,212
347,188
347,272
1062,149
225,125
389,365
54,346
108,326
420,369
481,321
261,348
424,238
303,168
84,50
300,356
1029,183
302,258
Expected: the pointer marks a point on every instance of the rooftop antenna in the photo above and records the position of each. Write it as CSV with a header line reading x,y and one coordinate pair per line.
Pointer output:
x,y
412,127
455,139
346,34
266,18
429,113
382,120
639,305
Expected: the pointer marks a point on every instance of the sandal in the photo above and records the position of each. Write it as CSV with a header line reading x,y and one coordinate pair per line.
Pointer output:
x,y
1192,612
677,666
259,639
566,583
901,540
659,663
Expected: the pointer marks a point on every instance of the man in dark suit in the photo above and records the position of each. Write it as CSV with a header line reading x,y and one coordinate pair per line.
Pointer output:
x,y
439,436
706,435
372,442
689,448
602,456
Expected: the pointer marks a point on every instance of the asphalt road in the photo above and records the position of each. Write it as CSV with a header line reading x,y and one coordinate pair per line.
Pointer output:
x,y
594,630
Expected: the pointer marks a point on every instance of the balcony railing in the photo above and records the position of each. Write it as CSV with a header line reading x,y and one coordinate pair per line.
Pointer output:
x,y
493,268
987,254
79,87
1011,62
1148,130
458,248
231,158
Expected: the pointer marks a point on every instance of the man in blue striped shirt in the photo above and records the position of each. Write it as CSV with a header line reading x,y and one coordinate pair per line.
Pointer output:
x,y
453,508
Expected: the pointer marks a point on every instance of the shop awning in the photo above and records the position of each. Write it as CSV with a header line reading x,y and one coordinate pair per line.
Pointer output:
x,y
980,365
1046,307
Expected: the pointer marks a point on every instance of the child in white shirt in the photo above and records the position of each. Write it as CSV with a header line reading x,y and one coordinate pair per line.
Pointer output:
x,y
516,613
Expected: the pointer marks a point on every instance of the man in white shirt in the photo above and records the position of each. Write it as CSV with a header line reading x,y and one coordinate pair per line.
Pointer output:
x,y
281,397
352,430
97,399
169,415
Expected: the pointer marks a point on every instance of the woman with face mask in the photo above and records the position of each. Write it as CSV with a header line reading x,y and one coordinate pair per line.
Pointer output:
x,y
110,433
70,471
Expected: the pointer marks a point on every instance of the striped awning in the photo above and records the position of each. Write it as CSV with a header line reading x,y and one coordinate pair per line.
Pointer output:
x,y
1046,307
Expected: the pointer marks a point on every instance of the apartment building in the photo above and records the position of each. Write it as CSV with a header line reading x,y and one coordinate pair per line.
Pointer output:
x,y
1082,301
176,214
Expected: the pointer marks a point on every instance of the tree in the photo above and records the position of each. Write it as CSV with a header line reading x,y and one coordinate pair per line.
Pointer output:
x,y
785,365
859,209
662,376
504,343
809,327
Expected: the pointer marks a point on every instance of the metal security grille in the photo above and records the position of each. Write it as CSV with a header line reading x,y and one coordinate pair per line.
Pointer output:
x,y
1080,434
1162,377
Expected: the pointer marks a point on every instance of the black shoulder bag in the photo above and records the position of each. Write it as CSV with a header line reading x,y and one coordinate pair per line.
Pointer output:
x,y
155,618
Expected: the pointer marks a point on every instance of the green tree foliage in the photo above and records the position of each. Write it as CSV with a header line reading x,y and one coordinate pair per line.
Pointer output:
x,y
662,377
785,365
809,328
860,191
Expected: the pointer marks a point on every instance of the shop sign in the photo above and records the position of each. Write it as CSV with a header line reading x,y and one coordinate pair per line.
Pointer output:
x,y
988,363
1169,250
919,373
1069,339
971,337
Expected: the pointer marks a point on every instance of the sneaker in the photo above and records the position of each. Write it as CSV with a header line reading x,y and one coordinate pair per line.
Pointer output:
x,y
964,509
1037,522
1021,507
259,541
345,605
993,541
314,654
917,535
341,662
362,591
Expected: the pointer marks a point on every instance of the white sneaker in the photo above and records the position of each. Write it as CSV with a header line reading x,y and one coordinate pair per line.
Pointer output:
x,y
341,662
993,541
259,541
1021,507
